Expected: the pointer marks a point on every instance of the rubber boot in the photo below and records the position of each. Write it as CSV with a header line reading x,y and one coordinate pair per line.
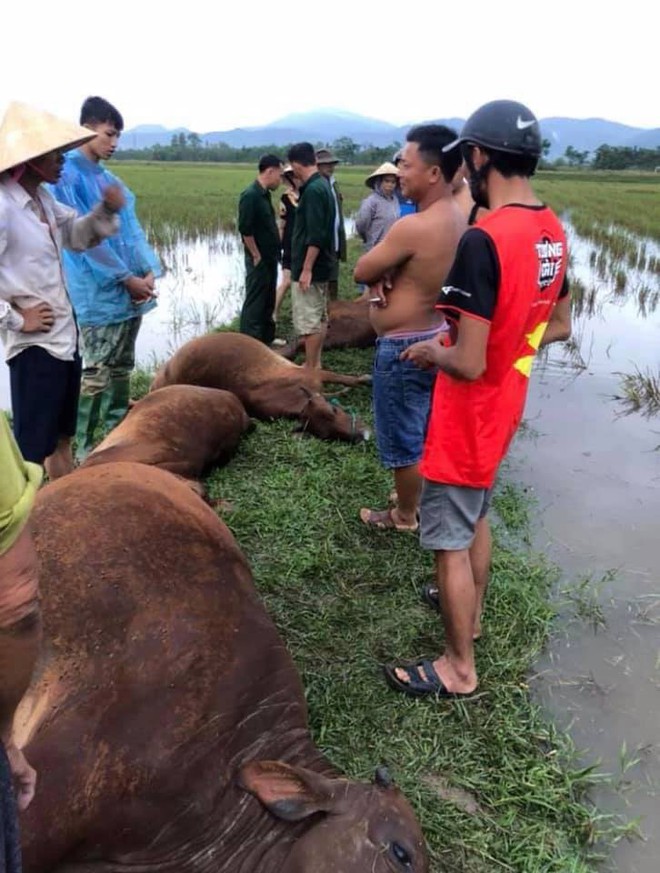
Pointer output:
x,y
89,412
115,402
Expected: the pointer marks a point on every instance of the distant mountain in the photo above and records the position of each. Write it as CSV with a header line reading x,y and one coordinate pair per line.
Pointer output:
x,y
145,136
646,139
327,125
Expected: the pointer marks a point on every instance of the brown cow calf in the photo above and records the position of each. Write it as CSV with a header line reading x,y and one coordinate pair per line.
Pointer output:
x,y
267,384
168,723
182,428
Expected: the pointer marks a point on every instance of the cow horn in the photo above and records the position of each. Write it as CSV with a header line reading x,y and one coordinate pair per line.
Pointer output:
x,y
383,778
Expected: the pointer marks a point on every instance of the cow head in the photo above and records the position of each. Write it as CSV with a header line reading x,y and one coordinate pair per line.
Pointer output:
x,y
353,826
329,421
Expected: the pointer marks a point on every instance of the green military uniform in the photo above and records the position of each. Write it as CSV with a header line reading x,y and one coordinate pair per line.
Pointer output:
x,y
314,226
256,218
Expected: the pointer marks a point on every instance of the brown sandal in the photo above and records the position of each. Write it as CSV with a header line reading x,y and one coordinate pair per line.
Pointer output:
x,y
384,520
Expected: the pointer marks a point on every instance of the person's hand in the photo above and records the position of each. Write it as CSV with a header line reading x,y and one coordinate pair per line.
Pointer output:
x,y
150,280
256,259
305,280
39,318
139,289
113,198
424,355
25,777
377,293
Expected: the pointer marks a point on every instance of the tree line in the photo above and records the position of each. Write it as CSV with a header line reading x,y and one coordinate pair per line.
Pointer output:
x,y
190,147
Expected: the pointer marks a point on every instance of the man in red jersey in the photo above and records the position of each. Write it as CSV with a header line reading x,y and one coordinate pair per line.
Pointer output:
x,y
506,296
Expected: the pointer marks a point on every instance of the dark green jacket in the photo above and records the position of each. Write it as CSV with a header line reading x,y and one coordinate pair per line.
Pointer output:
x,y
314,226
256,218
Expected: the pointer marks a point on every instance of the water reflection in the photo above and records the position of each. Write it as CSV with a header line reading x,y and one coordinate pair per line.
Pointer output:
x,y
612,305
203,287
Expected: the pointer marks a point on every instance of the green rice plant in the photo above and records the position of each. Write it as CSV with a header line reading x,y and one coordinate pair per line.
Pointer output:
x,y
640,392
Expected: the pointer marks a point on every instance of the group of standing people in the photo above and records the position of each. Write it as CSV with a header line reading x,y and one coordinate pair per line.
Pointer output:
x,y
309,239
465,272
460,312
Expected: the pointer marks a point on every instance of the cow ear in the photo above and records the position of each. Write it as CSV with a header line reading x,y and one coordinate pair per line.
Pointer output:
x,y
290,793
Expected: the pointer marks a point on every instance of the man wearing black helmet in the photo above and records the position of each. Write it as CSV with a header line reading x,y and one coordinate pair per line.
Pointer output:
x,y
506,296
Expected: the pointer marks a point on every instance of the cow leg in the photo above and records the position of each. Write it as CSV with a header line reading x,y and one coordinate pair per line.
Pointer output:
x,y
343,378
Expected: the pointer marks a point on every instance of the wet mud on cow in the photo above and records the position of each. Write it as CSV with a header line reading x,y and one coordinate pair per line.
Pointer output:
x,y
182,428
268,385
348,328
167,721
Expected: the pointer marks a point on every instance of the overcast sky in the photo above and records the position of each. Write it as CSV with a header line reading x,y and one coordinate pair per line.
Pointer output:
x,y
214,66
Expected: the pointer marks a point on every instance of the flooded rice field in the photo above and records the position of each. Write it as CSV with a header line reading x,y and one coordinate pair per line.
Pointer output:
x,y
592,464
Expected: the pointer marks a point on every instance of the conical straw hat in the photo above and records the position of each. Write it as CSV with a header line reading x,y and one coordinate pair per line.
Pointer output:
x,y
386,169
27,133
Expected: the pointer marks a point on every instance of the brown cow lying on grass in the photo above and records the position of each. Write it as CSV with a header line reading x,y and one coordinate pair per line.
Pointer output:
x,y
348,328
182,428
267,384
167,721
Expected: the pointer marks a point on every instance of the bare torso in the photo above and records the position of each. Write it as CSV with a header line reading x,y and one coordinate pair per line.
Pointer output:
x,y
417,282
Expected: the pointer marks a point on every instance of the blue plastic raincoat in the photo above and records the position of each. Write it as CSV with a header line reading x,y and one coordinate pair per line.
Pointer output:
x,y
95,277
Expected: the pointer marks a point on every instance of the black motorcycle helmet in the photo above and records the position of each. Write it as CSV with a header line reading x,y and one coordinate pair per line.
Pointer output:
x,y
503,126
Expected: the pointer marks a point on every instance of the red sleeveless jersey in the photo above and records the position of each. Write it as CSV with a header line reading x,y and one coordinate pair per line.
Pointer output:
x,y
472,423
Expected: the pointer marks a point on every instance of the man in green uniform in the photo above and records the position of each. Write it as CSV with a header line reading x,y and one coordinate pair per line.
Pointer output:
x,y
312,252
261,239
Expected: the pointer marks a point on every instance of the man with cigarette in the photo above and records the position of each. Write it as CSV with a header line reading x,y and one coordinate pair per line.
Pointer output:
x,y
405,272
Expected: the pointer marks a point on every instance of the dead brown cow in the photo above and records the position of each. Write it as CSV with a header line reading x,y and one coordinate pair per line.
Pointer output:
x,y
167,722
182,428
267,384
348,328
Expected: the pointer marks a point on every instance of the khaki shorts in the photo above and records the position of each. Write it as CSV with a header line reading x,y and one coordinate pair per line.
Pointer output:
x,y
310,308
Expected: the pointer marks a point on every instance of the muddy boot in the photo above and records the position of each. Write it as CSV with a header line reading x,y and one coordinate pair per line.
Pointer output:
x,y
115,402
89,411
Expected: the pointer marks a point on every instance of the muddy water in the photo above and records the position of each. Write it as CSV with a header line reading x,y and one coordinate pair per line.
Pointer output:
x,y
595,475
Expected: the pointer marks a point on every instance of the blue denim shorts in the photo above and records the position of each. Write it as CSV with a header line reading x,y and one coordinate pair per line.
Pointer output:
x,y
402,399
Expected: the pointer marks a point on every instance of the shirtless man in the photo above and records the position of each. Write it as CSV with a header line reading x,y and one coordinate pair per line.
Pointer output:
x,y
405,273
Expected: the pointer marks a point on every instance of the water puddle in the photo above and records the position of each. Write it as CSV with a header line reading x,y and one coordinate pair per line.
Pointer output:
x,y
595,474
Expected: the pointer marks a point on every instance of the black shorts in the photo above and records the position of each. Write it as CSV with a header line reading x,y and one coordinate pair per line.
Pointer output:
x,y
44,401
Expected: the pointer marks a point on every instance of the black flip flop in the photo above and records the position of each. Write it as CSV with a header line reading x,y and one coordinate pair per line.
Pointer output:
x,y
418,686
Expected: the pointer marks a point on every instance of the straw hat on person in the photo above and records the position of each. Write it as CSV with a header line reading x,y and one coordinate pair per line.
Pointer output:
x,y
386,169
27,133
287,172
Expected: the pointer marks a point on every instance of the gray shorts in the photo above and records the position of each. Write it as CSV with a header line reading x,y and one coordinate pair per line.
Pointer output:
x,y
449,515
